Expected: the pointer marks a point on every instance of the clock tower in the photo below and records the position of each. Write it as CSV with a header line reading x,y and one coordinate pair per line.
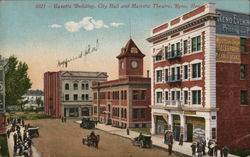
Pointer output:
x,y
130,61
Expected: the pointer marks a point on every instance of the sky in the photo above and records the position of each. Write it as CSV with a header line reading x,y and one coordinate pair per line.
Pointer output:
x,y
41,34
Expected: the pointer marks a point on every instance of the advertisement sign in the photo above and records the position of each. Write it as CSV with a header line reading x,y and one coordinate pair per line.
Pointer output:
x,y
231,23
228,49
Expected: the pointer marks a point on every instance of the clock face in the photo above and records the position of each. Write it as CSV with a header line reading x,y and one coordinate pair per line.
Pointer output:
x,y
134,64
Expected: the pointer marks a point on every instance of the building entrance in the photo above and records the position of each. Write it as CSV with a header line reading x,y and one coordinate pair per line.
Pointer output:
x,y
195,128
176,127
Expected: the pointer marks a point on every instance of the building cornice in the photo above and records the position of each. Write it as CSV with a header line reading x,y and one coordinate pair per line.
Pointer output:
x,y
197,21
183,108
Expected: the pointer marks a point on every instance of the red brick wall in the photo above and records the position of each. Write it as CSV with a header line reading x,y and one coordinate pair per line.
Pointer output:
x,y
194,12
233,121
157,29
175,21
52,94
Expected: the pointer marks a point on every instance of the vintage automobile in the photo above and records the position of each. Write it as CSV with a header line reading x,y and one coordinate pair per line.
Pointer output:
x,y
91,140
33,132
87,123
143,141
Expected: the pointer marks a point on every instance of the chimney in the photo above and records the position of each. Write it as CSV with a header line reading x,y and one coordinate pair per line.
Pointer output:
x,y
147,73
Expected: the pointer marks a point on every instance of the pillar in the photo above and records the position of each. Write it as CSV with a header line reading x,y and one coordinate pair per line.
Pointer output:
x,y
170,122
183,127
208,129
153,123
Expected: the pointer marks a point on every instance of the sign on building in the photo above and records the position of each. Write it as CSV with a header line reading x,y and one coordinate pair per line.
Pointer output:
x,y
231,23
228,49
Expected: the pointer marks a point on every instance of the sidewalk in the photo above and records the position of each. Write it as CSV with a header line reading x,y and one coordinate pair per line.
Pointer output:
x,y
10,142
185,149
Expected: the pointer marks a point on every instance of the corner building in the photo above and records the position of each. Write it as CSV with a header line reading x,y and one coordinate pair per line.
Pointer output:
x,y
200,81
124,102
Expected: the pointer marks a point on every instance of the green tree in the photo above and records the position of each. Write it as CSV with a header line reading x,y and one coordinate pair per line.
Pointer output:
x,y
17,81
39,102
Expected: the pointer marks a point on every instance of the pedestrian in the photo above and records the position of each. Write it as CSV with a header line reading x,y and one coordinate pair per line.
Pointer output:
x,y
204,146
8,133
199,149
170,144
221,152
225,151
181,140
193,146
127,131
65,119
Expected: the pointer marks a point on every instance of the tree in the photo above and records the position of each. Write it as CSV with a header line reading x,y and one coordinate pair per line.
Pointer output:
x,y
17,81
39,102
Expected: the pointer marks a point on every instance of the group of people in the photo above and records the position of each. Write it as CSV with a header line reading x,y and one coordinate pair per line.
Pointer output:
x,y
200,148
22,141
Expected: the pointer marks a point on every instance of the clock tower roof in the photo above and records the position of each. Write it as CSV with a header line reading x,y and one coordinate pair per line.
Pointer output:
x,y
130,50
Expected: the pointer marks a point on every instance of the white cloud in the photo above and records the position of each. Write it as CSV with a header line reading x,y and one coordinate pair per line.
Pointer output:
x,y
114,24
72,26
55,26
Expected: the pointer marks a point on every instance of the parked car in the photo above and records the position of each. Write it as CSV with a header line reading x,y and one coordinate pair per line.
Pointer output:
x,y
143,141
33,132
87,123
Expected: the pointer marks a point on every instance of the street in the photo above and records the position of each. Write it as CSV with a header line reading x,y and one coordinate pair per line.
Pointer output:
x,y
59,139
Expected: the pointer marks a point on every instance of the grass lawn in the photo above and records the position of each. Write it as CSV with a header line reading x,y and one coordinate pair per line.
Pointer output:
x,y
33,116
145,131
4,147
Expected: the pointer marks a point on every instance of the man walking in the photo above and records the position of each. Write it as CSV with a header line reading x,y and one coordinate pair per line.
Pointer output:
x,y
127,131
170,144
193,146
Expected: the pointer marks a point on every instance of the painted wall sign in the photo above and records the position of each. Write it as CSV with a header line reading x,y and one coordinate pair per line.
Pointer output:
x,y
231,23
228,49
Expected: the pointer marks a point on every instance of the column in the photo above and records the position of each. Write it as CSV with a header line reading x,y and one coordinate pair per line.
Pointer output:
x,y
170,122
153,123
183,127
208,129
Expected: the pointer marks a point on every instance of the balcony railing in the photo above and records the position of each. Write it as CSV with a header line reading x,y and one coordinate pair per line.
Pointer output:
x,y
173,103
173,78
173,55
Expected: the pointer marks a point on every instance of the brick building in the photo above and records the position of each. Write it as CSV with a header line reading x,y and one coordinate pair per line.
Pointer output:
x,y
200,81
124,102
69,93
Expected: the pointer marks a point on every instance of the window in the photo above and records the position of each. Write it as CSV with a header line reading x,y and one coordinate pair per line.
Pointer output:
x,y
87,97
75,86
135,113
185,46
159,76
243,97
178,73
196,97
159,97
243,71
213,133
122,94
196,70
83,96
243,45
173,95
125,95
172,50
173,73
196,43
158,58
143,95
166,95
67,97
66,86
135,94
185,71
185,97
108,95
166,52
83,86
178,95
143,113
178,48
166,75
95,96
95,109
75,96
87,86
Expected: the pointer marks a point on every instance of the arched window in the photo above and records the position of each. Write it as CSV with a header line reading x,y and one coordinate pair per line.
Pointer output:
x,y
66,86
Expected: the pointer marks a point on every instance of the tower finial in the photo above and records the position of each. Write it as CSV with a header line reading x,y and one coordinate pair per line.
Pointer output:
x,y
130,34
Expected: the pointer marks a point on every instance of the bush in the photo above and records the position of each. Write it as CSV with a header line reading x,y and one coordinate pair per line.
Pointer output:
x,y
4,147
145,131
241,153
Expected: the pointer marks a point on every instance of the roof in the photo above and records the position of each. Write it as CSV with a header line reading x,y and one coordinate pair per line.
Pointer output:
x,y
130,50
85,74
35,93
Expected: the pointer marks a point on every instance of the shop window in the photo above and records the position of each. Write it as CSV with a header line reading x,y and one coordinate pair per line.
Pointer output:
x,y
135,113
185,72
135,94
75,96
185,97
243,45
196,97
185,47
213,133
159,97
66,86
243,71
196,44
196,70
143,95
75,86
159,76
243,97
66,97
143,113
